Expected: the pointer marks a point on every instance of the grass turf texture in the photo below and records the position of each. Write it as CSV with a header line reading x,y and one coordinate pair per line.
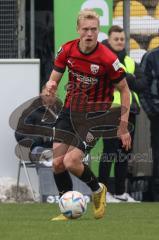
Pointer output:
x,y
122,222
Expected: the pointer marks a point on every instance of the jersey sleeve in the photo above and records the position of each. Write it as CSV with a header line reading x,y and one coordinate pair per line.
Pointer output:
x,y
60,60
116,72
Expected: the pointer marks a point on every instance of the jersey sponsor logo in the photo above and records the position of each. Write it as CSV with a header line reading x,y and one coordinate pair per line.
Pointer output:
x,y
116,65
84,79
94,68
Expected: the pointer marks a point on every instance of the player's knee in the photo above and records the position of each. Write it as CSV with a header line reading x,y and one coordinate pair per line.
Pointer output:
x,y
69,163
58,166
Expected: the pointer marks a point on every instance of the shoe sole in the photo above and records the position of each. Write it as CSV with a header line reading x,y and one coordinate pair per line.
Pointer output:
x,y
59,218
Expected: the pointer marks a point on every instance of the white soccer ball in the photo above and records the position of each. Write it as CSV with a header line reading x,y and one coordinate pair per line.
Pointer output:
x,y
72,204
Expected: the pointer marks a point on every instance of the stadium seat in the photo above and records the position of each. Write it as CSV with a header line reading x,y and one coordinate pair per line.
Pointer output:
x,y
136,9
140,20
154,42
156,12
146,25
134,44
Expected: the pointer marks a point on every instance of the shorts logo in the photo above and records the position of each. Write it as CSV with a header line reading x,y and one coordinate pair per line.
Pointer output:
x,y
89,137
94,68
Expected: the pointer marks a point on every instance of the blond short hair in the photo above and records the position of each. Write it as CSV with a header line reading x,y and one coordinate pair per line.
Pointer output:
x,y
87,14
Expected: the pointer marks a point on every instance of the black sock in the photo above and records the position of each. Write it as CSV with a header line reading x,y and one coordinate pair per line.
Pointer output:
x,y
63,182
89,178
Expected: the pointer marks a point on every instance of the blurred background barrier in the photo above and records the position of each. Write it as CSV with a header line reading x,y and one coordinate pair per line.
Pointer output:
x,y
19,83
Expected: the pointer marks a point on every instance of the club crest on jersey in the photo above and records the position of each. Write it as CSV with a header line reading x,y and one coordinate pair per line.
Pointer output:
x,y
94,68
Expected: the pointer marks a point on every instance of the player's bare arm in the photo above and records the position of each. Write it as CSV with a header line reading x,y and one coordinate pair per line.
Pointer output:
x,y
123,132
53,82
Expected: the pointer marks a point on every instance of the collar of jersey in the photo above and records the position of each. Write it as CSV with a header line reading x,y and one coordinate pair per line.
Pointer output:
x,y
89,52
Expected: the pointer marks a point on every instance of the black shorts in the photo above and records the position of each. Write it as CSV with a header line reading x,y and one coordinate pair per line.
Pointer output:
x,y
72,130
81,130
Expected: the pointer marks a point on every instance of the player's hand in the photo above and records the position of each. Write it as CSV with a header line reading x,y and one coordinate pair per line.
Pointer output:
x,y
125,137
51,87
48,97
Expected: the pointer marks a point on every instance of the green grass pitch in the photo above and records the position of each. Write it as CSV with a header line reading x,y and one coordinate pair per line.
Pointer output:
x,y
122,222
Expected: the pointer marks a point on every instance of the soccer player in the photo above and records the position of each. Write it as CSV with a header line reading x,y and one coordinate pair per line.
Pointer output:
x,y
94,71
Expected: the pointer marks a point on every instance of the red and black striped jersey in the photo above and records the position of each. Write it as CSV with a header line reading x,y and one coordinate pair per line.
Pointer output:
x,y
91,76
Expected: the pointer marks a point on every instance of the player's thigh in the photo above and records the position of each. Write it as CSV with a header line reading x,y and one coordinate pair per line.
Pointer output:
x,y
59,150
